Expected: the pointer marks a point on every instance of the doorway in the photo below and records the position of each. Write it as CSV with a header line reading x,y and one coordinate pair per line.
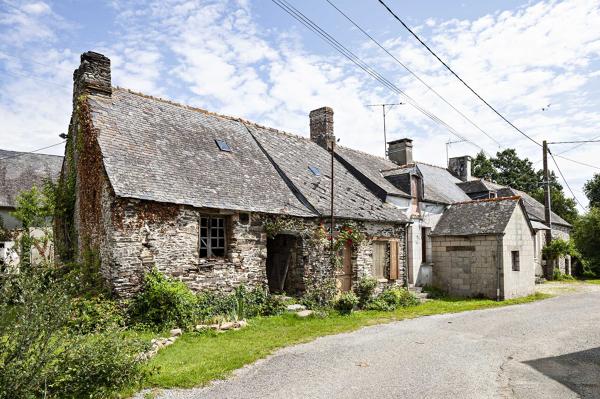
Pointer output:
x,y
344,276
281,263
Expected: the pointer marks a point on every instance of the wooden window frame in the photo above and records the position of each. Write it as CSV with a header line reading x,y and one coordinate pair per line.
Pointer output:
x,y
208,235
391,267
515,260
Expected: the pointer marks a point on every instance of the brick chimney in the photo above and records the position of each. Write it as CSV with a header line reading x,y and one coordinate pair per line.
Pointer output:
x,y
92,76
400,151
321,127
460,167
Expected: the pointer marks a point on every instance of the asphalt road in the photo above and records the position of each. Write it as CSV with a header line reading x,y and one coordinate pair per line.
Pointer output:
x,y
546,349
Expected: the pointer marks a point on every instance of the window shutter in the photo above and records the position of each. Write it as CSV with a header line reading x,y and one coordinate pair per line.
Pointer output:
x,y
393,260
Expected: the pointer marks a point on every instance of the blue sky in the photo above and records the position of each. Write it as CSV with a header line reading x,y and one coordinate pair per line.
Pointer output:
x,y
250,59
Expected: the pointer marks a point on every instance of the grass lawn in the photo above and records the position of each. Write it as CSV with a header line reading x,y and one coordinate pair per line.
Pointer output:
x,y
197,358
595,281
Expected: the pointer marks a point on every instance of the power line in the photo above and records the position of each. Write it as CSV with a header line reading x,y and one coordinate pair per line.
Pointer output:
x,y
413,73
574,142
307,22
565,180
20,154
578,162
458,77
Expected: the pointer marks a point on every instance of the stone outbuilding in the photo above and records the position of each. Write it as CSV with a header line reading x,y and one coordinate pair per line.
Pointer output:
x,y
213,200
484,248
481,188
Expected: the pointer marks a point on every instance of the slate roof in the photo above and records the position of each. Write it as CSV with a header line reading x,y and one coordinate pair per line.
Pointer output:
x,y
535,209
370,166
478,186
440,185
166,152
20,171
294,154
482,217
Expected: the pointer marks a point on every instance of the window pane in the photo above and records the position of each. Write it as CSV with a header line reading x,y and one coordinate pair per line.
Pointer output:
x,y
379,258
218,252
204,222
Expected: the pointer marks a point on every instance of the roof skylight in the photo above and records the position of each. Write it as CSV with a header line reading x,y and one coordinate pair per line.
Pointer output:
x,y
223,146
315,171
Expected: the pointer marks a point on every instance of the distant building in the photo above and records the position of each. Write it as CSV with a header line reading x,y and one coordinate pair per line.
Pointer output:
x,y
20,171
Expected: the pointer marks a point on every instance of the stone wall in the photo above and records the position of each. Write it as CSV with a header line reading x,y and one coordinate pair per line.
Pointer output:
x,y
466,266
140,235
518,237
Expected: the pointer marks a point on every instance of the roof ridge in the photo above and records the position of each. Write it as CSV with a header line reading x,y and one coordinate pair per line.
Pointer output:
x,y
367,153
31,153
204,111
498,199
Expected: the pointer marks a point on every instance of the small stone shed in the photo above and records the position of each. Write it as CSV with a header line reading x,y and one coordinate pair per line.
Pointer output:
x,y
484,249
212,200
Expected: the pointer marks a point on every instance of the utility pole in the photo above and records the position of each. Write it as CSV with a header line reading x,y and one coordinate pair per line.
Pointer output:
x,y
390,105
547,207
332,256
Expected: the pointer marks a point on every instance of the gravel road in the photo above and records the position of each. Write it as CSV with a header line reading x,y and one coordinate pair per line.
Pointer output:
x,y
546,349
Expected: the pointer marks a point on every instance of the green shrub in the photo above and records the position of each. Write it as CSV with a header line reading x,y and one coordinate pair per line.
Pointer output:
x,y
43,356
558,276
164,302
240,304
96,366
379,305
212,304
434,292
346,302
97,314
319,293
393,298
364,290
273,306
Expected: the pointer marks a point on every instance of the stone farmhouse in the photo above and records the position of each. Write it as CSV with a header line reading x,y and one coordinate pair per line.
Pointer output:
x,y
213,200
218,201
20,171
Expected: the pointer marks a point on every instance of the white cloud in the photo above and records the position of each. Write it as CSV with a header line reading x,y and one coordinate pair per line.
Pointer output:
x,y
214,54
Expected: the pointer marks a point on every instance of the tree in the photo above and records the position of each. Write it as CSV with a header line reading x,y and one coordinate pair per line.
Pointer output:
x,y
35,209
507,169
483,167
563,206
592,190
515,172
587,238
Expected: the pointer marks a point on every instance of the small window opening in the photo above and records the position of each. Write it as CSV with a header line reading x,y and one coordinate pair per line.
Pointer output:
x,y
516,266
212,237
315,171
223,146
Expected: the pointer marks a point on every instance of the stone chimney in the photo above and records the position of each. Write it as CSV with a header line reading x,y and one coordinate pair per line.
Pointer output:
x,y
92,76
400,151
321,127
460,167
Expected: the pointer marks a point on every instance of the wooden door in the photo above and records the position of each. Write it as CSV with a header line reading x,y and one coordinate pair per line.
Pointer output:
x,y
344,276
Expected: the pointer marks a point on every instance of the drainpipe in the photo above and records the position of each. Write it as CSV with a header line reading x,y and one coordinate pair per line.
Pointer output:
x,y
406,254
499,262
